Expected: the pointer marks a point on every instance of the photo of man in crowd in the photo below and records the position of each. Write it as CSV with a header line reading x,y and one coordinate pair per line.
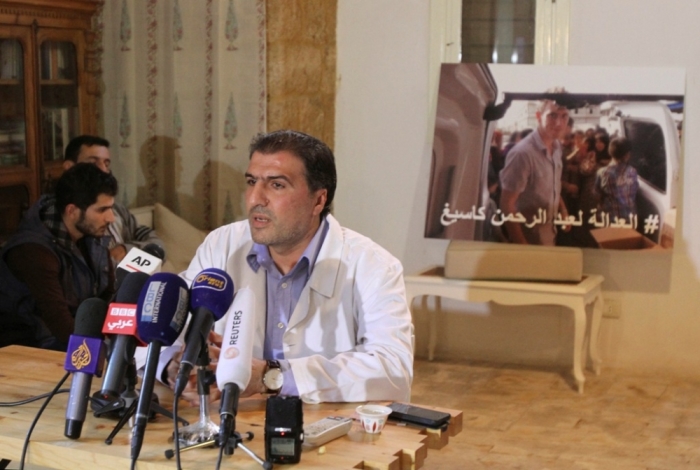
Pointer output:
x,y
513,163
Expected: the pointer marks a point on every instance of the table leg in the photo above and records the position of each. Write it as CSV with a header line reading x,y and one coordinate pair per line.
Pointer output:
x,y
595,328
432,338
579,333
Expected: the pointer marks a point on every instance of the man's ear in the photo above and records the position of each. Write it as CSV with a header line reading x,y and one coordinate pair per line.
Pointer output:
x,y
67,164
72,212
321,198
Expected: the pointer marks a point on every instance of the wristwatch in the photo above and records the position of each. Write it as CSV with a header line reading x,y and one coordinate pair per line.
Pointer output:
x,y
272,377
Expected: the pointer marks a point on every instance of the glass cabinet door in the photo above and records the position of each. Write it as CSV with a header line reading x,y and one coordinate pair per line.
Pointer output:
x,y
60,117
13,143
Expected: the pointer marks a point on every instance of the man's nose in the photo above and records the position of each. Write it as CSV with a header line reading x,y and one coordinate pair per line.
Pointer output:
x,y
109,216
256,195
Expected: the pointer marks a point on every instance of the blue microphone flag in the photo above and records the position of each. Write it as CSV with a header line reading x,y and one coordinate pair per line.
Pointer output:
x,y
162,308
213,290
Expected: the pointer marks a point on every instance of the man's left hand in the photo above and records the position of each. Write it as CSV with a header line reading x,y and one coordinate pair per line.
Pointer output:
x,y
256,378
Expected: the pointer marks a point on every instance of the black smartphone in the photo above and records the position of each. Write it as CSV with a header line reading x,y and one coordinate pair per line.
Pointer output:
x,y
417,415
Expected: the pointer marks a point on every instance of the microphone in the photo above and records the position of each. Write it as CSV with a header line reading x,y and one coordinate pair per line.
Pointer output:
x,y
211,295
155,250
121,322
160,316
147,260
84,357
235,359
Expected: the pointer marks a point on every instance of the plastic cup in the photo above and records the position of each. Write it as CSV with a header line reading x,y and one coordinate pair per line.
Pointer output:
x,y
373,417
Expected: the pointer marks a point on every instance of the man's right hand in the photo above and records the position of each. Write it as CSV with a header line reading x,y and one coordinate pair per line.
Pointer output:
x,y
117,253
191,392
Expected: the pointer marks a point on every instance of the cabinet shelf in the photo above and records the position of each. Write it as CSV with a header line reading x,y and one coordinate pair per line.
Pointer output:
x,y
63,82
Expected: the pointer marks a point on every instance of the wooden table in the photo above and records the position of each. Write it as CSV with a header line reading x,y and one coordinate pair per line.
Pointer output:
x,y
575,296
27,372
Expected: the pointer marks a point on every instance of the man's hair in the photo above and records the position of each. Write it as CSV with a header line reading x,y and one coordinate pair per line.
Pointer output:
x,y
619,147
81,185
319,163
73,147
590,143
542,105
524,133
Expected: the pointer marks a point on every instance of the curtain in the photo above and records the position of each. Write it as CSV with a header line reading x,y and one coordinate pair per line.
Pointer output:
x,y
183,94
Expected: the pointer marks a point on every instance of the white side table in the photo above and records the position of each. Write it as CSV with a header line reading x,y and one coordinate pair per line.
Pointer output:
x,y
575,296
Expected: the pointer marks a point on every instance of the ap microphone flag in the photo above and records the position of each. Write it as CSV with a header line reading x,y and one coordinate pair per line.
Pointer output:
x,y
148,261
140,261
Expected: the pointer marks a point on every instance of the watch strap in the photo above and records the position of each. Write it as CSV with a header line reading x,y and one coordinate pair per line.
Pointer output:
x,y
271,364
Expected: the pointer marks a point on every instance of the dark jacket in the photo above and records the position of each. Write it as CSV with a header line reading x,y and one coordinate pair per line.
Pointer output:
x,y
22,319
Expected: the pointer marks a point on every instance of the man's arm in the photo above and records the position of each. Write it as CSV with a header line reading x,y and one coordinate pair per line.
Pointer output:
x,y
380,366
39,269
564,212
508,206
133,234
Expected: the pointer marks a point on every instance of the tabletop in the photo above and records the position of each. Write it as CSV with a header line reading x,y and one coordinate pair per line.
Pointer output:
x,y
27,372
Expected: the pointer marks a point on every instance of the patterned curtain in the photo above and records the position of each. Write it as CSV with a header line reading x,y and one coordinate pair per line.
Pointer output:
x,y
183,94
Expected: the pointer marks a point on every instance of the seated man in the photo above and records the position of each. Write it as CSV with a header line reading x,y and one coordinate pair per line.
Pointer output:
x,y
125,231
331,304
57,258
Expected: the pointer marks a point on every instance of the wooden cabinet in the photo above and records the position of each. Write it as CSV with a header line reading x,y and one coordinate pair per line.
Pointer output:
x,y
48,94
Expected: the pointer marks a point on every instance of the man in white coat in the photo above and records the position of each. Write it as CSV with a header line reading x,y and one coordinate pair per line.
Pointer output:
x,y
332,319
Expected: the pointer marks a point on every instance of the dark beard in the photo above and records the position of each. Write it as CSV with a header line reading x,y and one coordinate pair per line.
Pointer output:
x,y
85,228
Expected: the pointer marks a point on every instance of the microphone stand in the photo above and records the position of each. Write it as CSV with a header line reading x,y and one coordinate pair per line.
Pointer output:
x,y
125,405
237,441
203,430
205,433
234,441
228,439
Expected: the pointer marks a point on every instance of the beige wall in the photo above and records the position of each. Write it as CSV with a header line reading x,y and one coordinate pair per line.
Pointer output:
x,y
301,57
383,146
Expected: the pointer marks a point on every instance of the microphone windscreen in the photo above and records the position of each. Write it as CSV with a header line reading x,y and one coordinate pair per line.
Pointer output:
x,y
162,308
213,290
130,288
236,355
155,250
89,318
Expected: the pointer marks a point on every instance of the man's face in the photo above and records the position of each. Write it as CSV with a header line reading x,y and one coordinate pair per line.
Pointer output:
x,y
599,145
97,155
553,120
282,211
97,217
568,139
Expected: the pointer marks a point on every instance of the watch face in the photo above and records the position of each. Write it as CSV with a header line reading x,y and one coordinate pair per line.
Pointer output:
x,y
273,379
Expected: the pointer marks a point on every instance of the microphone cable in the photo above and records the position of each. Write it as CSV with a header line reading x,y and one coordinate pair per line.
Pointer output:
x,y
8,404
49,396
222,447
176,433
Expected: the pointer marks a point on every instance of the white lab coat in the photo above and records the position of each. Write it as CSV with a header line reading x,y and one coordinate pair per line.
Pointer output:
x,y
349,337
